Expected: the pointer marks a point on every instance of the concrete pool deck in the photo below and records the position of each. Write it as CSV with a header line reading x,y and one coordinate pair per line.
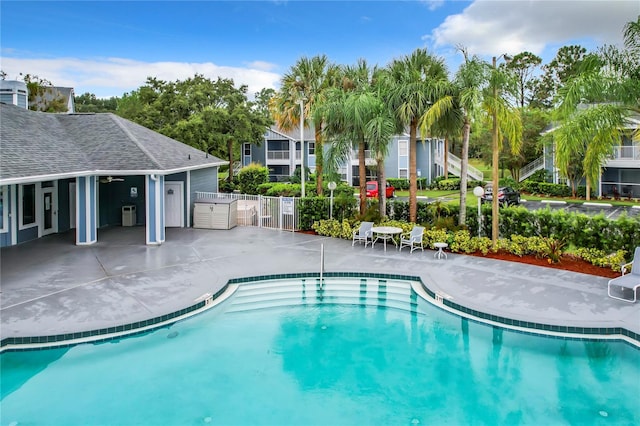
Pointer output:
x,y
51,286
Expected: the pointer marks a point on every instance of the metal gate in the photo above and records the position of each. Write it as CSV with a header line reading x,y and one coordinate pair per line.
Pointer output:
x,y
266,212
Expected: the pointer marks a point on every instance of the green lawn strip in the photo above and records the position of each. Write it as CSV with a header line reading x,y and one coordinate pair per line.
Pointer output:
x,y
454,196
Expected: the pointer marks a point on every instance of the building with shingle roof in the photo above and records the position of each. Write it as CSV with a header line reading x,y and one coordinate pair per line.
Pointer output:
x,y
64,171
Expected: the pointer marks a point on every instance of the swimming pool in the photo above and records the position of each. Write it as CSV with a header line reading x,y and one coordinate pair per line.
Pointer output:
x,y
355,352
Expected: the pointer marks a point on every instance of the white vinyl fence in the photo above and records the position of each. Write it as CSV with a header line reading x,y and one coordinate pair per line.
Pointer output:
x,y
265,212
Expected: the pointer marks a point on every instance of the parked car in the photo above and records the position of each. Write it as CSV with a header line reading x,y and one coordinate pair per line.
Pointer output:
x,y
506,195
372,189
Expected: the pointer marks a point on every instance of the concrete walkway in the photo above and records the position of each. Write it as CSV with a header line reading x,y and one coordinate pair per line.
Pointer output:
x,y
51,286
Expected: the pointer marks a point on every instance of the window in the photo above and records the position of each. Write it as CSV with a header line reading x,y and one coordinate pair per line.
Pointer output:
x,y
312,148
402,174
6,98
247,149
22,101
278,146
277,173
27,205
342,171
4,215
403,148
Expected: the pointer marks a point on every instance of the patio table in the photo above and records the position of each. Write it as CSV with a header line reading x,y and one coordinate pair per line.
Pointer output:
x,y
385,233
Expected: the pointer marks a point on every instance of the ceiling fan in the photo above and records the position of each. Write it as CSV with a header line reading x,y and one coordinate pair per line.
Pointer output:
x,y
110,179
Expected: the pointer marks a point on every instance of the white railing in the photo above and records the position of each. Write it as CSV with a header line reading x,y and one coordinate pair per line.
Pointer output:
x,y
367,154
455,166
237,166
277,155
531,168
626,153
620,189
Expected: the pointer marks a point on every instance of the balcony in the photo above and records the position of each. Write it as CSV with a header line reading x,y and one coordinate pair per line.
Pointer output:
x,y
626,156
278,155
369,158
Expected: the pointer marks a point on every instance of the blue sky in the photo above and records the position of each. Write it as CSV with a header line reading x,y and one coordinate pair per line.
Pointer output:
x,y
109,48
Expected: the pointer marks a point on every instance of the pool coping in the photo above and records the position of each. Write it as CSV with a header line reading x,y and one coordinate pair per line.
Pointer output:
x,y
208,301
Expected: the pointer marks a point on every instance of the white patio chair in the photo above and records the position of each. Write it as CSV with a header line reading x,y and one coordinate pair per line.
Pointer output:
x,y
413,240
630,281
363,233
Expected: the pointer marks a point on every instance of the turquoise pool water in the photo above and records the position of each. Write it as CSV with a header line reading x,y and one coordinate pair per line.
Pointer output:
x,y
326,363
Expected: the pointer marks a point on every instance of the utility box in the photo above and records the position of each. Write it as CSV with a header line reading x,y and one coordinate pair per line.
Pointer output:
x,y
128,215
215,213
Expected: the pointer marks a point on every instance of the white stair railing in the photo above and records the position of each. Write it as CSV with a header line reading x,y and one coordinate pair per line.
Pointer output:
x,y
455,166
531,168
237,166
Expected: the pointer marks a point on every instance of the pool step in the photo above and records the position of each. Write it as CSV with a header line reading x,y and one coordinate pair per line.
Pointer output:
x,y
335,290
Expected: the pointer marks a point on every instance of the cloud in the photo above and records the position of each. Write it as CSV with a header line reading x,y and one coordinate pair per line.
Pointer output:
x,y
433,4
106,77
492,27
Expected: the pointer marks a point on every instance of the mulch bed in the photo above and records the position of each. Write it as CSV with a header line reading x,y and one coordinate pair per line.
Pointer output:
x,y
566,263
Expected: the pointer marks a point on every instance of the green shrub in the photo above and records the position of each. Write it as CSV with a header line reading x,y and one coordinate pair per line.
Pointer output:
x,y
448,184
334,228
252,176
432,236
279,189
403,184
225,186
602,258
311,210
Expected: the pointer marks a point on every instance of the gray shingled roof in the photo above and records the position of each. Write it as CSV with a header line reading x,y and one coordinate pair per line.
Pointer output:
x,y
36,144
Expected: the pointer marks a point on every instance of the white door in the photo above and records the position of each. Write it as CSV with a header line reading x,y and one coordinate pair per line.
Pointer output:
x,y
173,204
49,212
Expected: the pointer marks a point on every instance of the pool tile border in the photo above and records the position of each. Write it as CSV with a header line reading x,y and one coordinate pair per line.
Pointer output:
x,y
135,328
141,327
581,333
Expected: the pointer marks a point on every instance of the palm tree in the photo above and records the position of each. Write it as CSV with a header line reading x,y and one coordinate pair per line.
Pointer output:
x,y
354,115
345,122
308,80
460,106
506,123
608,84
412,84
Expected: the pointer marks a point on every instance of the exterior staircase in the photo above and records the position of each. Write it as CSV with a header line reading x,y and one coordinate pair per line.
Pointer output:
x,y
531,168
455,167
236,167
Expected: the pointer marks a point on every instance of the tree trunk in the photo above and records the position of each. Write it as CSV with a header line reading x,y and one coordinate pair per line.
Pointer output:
x,y
413,183
319,158
362,177
495,212
382,188
464,166
446,156
230,154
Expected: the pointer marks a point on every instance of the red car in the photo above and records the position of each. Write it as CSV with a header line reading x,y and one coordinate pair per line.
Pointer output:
x,y
372,190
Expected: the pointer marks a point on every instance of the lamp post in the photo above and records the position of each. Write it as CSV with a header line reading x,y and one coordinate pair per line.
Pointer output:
x,y
495,154
332,185
478,191
302,177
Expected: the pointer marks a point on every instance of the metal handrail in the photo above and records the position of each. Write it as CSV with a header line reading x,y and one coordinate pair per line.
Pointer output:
x,y
321,265
531,168
455,166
